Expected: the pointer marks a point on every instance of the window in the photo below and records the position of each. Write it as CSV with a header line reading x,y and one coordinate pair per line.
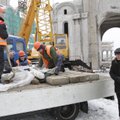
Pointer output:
x,y
65,12
10,47
66,28
61,42
19,46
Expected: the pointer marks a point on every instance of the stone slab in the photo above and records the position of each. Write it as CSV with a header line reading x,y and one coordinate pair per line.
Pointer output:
x,y
84,76
71,77
57,80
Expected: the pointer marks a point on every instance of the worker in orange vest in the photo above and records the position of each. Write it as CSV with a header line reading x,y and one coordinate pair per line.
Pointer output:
x,y
22,61
3,43
50,57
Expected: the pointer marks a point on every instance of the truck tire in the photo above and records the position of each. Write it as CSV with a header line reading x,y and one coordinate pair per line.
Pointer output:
x,y
84,106
110,98
68,112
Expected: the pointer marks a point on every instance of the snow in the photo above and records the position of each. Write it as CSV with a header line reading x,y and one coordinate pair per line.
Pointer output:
x,y
100,109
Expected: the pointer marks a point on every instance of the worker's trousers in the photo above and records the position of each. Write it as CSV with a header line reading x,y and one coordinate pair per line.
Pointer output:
x,y
118,98
1,60
60,61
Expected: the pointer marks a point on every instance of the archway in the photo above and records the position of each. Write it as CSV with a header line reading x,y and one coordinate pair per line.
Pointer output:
x,y
110,39
112,35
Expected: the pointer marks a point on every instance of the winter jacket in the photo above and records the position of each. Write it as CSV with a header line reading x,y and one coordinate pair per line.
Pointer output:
x,y
3,33
23,63
115,74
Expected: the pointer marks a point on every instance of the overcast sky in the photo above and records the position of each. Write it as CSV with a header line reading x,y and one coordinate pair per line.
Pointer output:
x,y
112,35
14,3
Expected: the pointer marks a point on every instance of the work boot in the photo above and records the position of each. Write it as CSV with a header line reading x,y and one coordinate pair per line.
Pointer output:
x,y
62,68
44,80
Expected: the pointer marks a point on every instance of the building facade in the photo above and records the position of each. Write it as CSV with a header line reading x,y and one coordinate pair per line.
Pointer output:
x,y
85,22
106,54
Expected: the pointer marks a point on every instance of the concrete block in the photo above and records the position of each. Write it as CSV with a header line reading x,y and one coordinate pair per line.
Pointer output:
x,y
94,77
81,76
57,80
88,77
73,78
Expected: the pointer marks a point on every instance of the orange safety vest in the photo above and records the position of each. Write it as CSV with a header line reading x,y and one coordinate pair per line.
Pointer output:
x,y
45,61
47,48
3,42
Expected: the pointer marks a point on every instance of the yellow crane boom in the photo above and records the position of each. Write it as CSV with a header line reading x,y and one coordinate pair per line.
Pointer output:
x,y
26,26
38,11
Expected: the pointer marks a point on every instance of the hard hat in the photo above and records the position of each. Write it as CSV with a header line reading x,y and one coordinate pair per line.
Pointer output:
x,y
21,53
37,45
117,51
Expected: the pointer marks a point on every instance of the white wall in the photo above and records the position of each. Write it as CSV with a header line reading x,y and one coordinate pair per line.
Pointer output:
x,y
74,28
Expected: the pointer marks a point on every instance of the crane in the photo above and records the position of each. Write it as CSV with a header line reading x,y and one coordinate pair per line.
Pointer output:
x,y
40,12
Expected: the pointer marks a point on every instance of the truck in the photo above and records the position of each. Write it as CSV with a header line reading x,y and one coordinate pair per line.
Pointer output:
x,y
64,100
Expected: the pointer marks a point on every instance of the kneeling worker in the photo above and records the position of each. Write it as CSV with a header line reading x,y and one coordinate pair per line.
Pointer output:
x,y
50,58
22,61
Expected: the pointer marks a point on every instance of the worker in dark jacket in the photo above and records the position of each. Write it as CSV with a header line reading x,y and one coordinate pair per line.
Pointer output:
x,y
3,43
50,56
115,74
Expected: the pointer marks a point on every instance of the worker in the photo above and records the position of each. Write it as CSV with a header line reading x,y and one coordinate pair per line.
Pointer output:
x,y
50,57
11,55
7,67
3,43
22,61
115,74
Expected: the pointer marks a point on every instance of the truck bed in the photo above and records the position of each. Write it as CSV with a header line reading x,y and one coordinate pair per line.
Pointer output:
x,y
47,85
43,96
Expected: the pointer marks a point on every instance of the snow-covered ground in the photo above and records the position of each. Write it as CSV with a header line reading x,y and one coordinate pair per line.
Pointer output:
x,y
100,109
